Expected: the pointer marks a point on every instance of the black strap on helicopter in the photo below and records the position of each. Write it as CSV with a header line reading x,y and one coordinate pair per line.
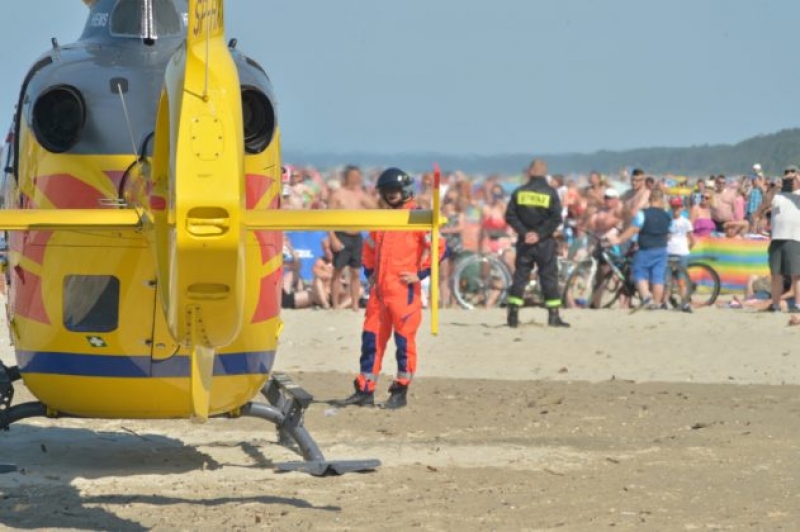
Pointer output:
x,y
7,378
142,155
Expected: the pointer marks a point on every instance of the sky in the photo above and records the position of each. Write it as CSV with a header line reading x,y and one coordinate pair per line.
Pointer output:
x,y
484,78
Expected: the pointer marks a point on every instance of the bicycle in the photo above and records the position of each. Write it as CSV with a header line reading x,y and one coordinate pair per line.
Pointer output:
x,y
601,280
584,289
483,279
699,280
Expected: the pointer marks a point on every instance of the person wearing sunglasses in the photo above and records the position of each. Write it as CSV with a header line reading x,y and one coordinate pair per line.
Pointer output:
x,y
700,215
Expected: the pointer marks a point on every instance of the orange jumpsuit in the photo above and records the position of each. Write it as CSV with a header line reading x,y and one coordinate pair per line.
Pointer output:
x,y
393,305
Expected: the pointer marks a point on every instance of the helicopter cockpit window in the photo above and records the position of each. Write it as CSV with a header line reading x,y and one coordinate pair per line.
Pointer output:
x,y
91,303
146,19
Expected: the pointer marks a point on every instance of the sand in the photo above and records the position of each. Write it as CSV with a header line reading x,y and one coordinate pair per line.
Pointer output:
x,y
650,421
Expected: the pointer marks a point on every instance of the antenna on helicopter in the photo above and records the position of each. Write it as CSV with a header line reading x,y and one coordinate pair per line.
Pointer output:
x,y
120,86
56,47
208,56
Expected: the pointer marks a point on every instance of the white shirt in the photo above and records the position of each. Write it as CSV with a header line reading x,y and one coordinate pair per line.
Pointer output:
x,y
678,243
785,219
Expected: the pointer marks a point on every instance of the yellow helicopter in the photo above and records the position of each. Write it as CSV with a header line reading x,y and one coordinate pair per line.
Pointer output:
x,y
143,181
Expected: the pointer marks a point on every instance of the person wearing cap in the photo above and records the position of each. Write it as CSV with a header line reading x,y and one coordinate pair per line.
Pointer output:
x,y
605,223
784,246
763,215
679,245
609,216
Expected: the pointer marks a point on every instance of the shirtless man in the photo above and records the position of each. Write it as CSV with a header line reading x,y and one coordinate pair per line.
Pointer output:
x,y
594,190
346,246
606,223
723,205
637,197
609,216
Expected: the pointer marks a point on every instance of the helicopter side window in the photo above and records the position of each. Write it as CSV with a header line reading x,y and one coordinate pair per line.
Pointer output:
x,y
131,18
91,303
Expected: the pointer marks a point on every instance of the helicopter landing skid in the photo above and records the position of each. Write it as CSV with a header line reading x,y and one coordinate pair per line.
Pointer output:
x,y
9,414
287,403
7,378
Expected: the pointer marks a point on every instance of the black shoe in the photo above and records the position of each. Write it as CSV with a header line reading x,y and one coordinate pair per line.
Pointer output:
x,y
359,398
512,316
397,399
686,307
554,320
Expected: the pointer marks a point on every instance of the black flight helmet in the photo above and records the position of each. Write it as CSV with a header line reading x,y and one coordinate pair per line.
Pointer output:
x,y
395,179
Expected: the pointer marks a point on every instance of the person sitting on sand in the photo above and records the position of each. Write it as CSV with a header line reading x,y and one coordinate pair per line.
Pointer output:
x,y
757,294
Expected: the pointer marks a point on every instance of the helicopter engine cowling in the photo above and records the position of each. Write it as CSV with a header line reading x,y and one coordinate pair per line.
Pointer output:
x,y
259,120
59,115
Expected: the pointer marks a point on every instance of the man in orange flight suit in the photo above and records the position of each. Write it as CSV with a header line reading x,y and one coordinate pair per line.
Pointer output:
x,y
395,262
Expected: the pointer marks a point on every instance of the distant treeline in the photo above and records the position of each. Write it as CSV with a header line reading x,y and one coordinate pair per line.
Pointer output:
x,y
773,152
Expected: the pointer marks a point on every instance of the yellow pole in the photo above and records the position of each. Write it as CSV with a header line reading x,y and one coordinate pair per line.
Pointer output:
x,y
435,252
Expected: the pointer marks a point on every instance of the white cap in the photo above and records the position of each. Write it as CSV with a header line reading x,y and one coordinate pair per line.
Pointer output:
x,y
611,193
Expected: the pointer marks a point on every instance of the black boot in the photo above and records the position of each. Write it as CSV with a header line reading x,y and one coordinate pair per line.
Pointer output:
x,y
512,316
554,320
359,398
397,398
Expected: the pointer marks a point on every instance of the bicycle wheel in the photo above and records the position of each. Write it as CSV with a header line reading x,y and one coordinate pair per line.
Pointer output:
x,y
533,296
565,269
611,290
675,278
704,284
480,281
578,287
607,292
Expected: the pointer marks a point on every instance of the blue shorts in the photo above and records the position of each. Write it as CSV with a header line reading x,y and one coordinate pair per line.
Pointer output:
x,y
762,295
650,265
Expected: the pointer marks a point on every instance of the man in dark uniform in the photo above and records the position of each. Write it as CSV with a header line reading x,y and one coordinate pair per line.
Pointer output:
x,y
534,212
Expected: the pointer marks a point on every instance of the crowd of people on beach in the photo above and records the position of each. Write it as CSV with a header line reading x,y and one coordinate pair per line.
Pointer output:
x,y
474,206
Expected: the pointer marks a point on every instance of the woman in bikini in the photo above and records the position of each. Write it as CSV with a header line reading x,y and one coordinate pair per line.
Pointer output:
x,y
494,233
